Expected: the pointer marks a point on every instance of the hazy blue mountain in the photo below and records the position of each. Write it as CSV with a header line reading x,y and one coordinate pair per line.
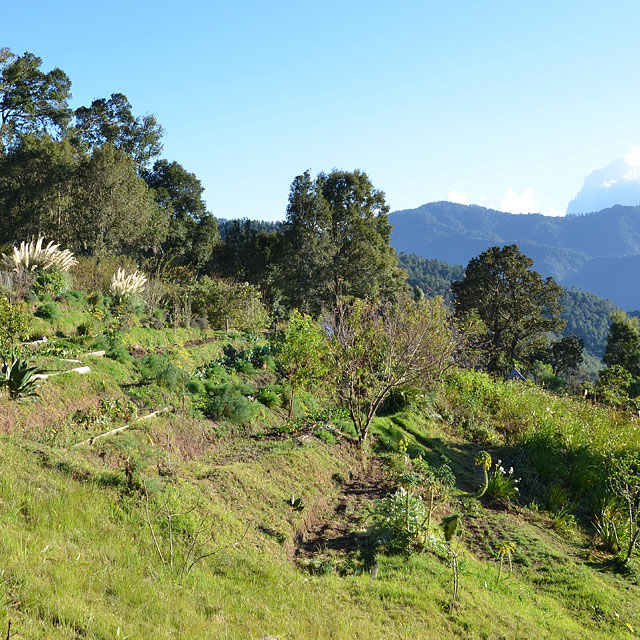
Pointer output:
x,y
576,250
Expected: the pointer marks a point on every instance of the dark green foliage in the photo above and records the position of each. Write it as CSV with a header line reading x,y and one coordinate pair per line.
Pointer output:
x,y
337,241
84,329
111,121
244,366
195,387
48,311
119,353
51,283
623,344
587,316
517,306
30,99
564,356
252,251
229,402
193,232
159,370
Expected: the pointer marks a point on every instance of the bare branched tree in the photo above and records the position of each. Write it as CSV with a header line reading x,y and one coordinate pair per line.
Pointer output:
x,y
378,348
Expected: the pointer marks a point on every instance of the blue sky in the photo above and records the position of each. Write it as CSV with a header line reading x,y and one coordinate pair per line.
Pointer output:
x,y
508,104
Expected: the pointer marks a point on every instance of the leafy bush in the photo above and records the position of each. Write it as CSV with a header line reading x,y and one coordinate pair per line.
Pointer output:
x,y
269,398
400,523
85,329
229,402
51,283
48,311
15,323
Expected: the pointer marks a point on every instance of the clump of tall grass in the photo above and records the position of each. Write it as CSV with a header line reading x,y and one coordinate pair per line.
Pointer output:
x,y
125,284
32,256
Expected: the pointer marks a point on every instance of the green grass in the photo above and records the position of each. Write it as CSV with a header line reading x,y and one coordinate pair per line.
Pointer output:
x,y
78,558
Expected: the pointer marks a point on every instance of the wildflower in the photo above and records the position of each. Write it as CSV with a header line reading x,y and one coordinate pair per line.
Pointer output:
x,y
501,469
510,470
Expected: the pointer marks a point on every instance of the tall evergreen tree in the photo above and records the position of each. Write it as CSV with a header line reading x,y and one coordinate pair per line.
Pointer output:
x,y
337,241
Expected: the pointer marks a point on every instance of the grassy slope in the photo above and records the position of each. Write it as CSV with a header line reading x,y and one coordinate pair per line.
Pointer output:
x,y
77,558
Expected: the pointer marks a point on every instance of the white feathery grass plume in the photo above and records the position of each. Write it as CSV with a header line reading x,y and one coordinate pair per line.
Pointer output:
x,y
123,284
30,256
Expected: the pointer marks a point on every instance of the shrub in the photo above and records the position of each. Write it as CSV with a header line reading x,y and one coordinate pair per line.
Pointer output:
x,y
48,311
326,436
400,523
15,323
52,283
228,402
159,370
96,299
195,387
269,398
244,366
85,329
119,353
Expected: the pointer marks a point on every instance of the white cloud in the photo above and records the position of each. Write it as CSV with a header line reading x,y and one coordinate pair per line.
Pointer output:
x,y
617,183
457,197
510,202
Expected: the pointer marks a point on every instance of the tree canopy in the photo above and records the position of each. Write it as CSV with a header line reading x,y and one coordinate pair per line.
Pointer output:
x,y
517,305
623,344
337,241
31,101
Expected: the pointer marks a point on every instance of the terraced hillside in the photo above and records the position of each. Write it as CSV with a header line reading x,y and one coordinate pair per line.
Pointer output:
x,y
220,518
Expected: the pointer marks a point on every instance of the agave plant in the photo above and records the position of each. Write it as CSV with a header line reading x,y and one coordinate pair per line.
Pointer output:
x,y
18,377
123,284
30,256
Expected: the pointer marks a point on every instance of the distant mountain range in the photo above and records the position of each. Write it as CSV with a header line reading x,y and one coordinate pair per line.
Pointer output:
x,y
598,252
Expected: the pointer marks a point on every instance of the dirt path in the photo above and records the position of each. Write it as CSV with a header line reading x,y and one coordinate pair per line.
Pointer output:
x,y
337,529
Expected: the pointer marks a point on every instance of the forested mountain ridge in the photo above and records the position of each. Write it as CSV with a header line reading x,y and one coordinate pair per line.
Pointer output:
x,y
591,251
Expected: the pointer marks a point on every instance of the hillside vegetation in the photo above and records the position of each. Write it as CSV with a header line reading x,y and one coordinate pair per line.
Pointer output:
x,y
265,431
186,526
